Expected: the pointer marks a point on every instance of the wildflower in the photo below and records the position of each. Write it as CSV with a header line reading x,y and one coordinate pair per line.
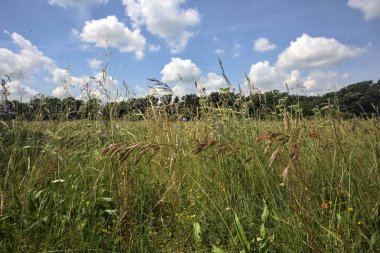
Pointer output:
x,y
359,222
199,196
313,134
192,216
81,226
350,209
324,205
87,203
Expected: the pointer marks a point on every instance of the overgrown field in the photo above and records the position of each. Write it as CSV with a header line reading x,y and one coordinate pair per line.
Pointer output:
x,y
212,185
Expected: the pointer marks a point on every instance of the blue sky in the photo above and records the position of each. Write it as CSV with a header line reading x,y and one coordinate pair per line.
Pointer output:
x,y
54,46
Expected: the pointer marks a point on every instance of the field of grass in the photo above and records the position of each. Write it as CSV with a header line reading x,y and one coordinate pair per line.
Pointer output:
x,y
212,185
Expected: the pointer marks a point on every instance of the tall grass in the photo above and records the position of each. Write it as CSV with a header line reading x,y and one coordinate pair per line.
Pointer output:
x,y
217,184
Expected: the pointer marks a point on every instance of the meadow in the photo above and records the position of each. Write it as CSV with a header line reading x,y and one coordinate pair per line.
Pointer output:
x,y
221,183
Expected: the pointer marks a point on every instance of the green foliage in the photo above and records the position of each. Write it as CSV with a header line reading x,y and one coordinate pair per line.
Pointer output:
x,y
360,99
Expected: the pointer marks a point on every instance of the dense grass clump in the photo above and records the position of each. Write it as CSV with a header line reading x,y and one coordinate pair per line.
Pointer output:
x,y
219,184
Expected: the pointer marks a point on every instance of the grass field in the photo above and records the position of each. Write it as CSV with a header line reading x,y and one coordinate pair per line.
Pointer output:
x,y
213,185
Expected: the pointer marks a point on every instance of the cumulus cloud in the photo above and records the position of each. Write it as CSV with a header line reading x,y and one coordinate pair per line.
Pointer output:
x,y
29,62
312,52
267,77
318,81
61,92
182,74
94,63
263,45
19,91
67,83
165,19
212,83
370,8
91,93
62,77
107,82
74,3
110,32
180,70
25,63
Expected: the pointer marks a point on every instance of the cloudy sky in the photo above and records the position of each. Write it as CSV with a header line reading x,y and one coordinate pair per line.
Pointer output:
x,y
54,47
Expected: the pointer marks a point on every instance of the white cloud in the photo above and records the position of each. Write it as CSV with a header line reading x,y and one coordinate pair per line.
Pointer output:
x,y
219,51
94,63
67,83
293,80
236,50
18,91
370,8
91,93
322,82
313,52
73,3
61,92
165,19
212,83
25,63
110,32
263,45
180,70
106,81
182,75
267,77
62,77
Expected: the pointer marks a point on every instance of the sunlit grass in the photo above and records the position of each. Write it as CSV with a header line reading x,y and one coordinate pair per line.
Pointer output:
x,y
163,186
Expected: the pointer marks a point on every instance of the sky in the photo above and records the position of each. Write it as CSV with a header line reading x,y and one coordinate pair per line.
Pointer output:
x,y
61,48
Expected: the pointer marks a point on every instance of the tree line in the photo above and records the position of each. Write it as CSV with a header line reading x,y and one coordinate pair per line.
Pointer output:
x,y
359,99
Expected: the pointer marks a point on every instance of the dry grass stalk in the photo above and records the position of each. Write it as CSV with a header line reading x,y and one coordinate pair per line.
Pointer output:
x,y
2,197
280,139
269,138
226,148
124,150
272,136
202,146
294,158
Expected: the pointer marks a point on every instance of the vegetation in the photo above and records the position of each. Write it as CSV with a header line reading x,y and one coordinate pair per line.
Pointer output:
x,y
360,99
265,173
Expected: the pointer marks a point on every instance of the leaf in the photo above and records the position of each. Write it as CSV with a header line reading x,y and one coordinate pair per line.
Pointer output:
x,y
197,232
111,212
105,199
58,181
241,233
332,233
265,214
373,240
217,250
38,194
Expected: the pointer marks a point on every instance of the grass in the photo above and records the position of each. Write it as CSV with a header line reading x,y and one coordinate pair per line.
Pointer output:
x,y
213,185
